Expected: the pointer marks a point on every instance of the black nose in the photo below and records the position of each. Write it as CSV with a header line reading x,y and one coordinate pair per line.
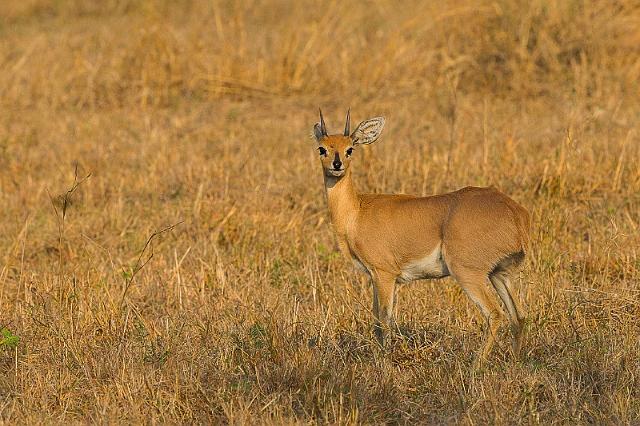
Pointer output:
x,y
336,162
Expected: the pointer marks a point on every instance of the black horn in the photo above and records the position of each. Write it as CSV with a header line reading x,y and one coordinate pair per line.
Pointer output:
x,y
323,127
347,125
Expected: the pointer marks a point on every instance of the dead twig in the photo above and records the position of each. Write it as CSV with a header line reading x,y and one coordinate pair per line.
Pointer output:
x,y
63,202
140,263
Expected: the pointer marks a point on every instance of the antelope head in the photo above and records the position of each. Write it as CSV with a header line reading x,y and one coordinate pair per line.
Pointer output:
x,y
336,150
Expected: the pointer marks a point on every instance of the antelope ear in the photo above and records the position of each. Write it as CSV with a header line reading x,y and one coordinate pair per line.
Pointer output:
x,y
368,131
317,132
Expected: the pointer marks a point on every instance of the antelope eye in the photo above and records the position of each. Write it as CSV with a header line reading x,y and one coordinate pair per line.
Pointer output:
x,y
349,152
323,151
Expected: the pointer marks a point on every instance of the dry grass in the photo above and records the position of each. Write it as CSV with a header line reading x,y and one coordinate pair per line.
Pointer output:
x,y
243,313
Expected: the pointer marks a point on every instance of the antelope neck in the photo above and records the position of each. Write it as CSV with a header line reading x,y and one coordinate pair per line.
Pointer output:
x,y
342,199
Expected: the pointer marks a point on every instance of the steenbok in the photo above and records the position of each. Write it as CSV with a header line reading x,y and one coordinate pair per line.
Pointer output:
x,y
477,235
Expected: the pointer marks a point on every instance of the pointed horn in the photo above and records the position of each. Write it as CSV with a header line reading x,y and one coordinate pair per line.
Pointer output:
x,y
347,126
323,127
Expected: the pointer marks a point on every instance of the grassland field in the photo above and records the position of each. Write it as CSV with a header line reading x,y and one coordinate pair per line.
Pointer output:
x,y
165,251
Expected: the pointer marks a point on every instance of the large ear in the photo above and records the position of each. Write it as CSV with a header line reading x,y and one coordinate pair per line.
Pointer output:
x,y
320,129
368,131
317,132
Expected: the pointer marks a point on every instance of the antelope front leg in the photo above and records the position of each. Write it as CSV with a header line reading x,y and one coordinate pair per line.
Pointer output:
x,y
383,299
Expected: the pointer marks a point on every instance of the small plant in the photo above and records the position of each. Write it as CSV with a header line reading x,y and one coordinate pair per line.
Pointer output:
x,y
8,339
258,335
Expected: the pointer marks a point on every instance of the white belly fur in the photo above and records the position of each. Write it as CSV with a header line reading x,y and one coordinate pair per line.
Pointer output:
x,y
359,265
431,266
